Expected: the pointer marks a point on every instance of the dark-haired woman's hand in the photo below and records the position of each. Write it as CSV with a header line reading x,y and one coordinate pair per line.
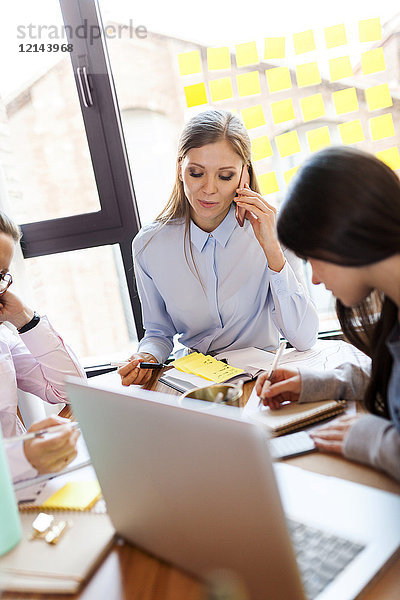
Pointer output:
x,y
330,437
262,217
285,386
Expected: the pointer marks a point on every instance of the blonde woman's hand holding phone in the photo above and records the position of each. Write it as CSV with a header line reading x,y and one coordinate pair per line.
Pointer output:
x,y
262,217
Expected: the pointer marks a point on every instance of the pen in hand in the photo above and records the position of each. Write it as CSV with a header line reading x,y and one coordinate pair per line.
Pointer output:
x,y
142,365
274,365
30,435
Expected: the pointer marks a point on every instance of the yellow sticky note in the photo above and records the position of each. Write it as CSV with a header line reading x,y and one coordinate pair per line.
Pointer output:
x,y
318,138
391,157
268,183
373,61
249,83
288,175
312,107
345,101
246,54
282,111
288,143
195,94
278,79
221,89
189,62
218,59
351,132
274,47
308,74
303,42
75,495
253,116
186,363
378,96
370,30
335,36
260,148
381,127
340,68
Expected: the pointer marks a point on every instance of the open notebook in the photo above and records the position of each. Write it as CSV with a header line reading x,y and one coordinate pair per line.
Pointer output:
x,y
290,417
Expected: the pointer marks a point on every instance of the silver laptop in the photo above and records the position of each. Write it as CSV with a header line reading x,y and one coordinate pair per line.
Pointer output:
x,y
197,488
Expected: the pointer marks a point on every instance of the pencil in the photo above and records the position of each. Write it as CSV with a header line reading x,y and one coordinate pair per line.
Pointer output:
x,y
34,434
275,363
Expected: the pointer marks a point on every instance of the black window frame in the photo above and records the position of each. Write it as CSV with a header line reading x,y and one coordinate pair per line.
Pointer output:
x,y
118,221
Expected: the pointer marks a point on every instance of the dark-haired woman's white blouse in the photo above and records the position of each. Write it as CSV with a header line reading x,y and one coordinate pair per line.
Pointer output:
x,y
233,301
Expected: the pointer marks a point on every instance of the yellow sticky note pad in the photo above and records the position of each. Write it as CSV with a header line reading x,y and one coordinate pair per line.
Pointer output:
x,y
340,68
260,148
274,47
246,54
308,74
351,132
312,107
370,30
248,83
345,101
253,116
218,59
75,495
278,79
268,183
318,138
335,36
303,42
288,143
195,94
373,61
187,363
391,157
282,111
221,89
288,175
381,127
189,63
378,96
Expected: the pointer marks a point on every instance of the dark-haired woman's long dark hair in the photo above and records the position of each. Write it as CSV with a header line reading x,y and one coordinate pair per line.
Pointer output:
x,y
344,207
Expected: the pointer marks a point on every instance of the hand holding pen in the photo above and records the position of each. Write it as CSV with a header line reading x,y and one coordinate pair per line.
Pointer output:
x,y
268,382
137,371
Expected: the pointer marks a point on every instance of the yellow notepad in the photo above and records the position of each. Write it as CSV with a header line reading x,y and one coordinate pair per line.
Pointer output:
x,y
75,495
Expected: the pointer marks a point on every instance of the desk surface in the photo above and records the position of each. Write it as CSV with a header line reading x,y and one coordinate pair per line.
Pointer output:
x,y
128,573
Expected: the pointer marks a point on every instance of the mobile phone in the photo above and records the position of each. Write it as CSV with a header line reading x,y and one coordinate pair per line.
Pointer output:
x,y
240,212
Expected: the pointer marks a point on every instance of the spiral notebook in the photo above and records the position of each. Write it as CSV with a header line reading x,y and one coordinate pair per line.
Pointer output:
x,y
291,417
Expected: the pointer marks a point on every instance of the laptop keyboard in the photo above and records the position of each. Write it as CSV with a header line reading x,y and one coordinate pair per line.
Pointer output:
x,y
320,556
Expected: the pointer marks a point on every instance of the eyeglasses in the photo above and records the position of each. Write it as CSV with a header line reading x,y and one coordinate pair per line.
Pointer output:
x,y
5,282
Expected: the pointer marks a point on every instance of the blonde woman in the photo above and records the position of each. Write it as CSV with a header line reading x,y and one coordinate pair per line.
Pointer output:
x,y
202,275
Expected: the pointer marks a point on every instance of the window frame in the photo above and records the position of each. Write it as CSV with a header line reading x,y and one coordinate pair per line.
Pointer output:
x,y
118,221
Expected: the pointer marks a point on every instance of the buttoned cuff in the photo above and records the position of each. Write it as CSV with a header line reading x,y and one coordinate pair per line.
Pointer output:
x,y
284,282
20,467
155,346
41,338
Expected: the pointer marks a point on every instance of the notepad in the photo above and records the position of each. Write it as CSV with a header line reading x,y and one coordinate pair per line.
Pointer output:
x,y
206,366
291,417
75,495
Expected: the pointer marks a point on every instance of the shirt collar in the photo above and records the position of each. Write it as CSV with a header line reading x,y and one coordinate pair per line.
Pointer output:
x,y
222,233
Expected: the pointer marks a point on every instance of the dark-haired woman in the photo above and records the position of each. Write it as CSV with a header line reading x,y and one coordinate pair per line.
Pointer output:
x,y
203,277
343,214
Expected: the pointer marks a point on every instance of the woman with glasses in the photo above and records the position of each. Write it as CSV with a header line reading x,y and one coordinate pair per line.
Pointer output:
x,y
33,358
210,268
343,215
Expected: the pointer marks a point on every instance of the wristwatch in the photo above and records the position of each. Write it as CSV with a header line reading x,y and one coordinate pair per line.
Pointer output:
x,y
31,324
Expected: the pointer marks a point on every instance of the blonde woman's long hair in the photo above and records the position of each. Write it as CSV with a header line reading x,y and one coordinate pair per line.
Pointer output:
x,y
205,128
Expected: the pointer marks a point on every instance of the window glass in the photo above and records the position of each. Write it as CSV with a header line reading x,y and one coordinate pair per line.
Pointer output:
x,y
51,161
85,296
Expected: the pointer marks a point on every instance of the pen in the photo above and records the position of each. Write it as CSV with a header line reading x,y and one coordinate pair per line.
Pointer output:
x,y
142,365
34,434
275,362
